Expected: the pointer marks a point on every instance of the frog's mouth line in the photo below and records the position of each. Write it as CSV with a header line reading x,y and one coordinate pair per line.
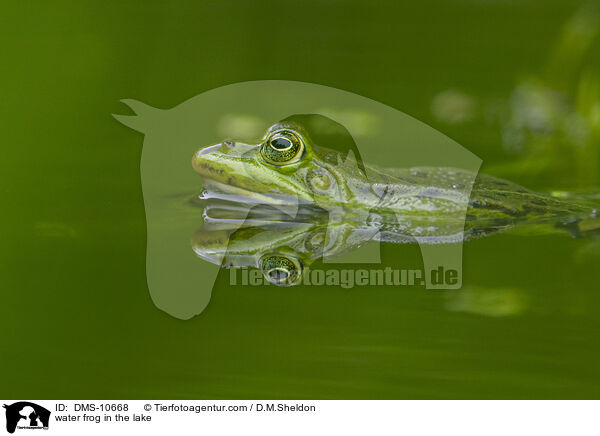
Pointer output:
x,y
223,191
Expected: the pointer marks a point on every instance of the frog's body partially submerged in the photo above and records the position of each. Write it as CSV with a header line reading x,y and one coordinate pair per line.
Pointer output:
x,y
286,168
282,203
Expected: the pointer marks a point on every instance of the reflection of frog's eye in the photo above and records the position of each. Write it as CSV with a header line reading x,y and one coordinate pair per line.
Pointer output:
x,y
281,270
283,147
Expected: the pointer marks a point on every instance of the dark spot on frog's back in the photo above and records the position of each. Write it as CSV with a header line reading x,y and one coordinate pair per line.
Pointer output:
x,y
409,181
488,205
534,207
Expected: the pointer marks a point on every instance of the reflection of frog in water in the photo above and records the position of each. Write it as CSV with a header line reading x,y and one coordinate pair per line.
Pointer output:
x,y
280,249
552,121
342,206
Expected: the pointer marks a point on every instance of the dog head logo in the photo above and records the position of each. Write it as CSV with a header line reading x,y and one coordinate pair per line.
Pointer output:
x,y
26,415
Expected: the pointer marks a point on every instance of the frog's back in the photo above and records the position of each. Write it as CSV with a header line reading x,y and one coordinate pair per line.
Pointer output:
x,y
487,197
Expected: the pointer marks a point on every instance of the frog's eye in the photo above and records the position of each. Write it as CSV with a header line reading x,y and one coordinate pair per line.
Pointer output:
x,y
281,270
283,147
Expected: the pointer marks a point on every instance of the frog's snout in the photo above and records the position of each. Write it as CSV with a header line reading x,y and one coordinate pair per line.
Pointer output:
x,y
208,150
228,153
207,156
224,147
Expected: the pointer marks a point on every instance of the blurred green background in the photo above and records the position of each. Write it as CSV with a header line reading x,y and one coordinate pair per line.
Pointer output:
x,y
76,316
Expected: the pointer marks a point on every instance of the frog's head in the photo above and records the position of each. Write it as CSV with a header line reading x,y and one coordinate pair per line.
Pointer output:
x,y
284,166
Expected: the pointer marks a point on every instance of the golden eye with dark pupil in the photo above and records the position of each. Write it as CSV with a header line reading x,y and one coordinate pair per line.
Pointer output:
x,y
282,148
280,270
280,144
